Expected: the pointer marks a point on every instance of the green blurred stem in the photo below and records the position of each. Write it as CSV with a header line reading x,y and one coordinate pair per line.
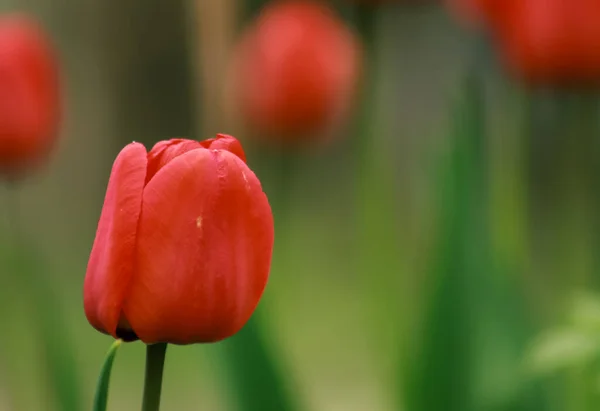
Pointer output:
x,y
12,212
366,23
252,8
155,363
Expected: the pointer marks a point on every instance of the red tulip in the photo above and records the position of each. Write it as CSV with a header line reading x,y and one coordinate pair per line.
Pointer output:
x,y
545,42
183,247
552,42
295,70
29,94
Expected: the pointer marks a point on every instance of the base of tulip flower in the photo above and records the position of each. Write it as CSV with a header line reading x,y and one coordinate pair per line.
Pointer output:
x,y
155,361
127,335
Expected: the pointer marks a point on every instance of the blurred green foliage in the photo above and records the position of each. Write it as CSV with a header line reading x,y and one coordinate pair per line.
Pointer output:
x,y
54,354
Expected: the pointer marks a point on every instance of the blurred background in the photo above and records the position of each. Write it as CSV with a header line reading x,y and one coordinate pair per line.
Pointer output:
x,y
432,169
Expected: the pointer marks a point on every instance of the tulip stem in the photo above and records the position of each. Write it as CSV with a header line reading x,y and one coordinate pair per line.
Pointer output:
x,y
155,362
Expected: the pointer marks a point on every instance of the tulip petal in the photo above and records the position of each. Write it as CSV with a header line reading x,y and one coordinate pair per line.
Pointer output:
x,y
165,151
204,248
111,264
225,142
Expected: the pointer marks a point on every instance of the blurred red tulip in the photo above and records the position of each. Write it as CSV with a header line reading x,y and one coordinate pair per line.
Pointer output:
x,y
545,42
183,247
552,42
295,70
29,95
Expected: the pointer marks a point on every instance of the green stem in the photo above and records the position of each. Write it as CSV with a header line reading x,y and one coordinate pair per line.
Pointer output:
x,y
155,362
366,24
101,397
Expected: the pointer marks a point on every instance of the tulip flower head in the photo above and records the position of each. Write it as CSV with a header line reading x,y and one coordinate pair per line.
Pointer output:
x,y
295,70
543,42
29,95
183,247
552,42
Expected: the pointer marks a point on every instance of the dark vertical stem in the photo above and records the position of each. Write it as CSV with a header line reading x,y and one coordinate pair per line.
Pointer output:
x,y
583,162
365,24
442,376
543,135
12,212
155,362
252,8
380,252
582,171
150,68
564,148
365,21
594,118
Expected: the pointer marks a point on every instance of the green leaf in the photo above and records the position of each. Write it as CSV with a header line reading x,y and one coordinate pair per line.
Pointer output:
x,y
382,216
441,374
561,349
469,352
584,313
575,345
101,397
256,378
